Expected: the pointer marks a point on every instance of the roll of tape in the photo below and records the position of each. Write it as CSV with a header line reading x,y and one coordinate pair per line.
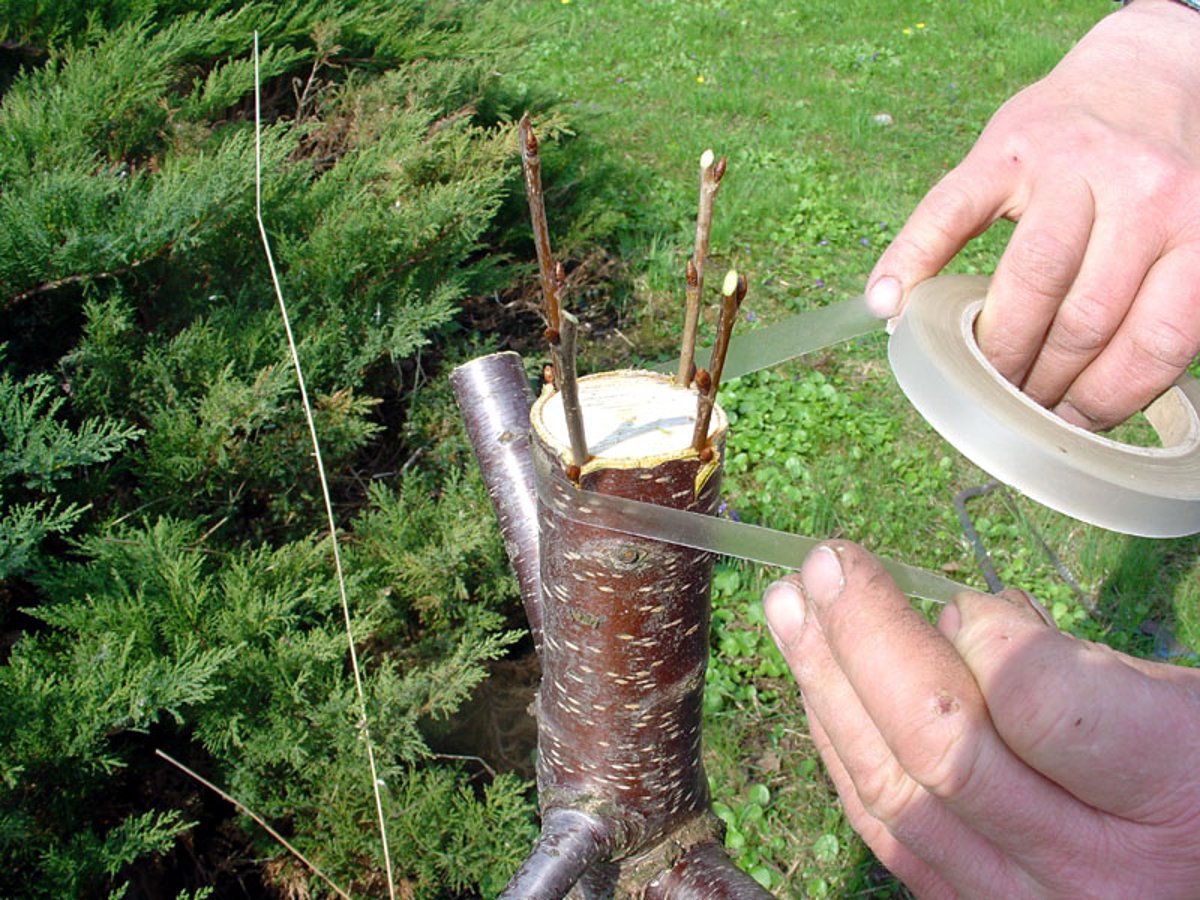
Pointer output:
x,y
1149,491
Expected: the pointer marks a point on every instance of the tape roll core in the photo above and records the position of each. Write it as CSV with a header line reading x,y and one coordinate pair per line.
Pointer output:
x,y
1148,491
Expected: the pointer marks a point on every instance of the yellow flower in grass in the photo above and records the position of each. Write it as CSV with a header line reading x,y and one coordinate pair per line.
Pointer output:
x,y
699,79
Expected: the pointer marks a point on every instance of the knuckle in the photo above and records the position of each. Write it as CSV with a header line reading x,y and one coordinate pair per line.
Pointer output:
x,y
1006,348
1159,172
1084,324
947,771
946,217
1040,263
1098,414
942,748
1165,345
950,207
1014,147
886,793
1005,353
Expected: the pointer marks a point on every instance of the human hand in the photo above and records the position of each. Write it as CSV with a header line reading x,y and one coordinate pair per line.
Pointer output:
x,y
1094,307
993,756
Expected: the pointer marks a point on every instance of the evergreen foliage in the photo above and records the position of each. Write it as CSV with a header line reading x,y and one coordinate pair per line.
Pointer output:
x,y
38,451
165,580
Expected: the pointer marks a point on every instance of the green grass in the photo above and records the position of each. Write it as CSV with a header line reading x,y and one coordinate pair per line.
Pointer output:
x,y
789,94
816,187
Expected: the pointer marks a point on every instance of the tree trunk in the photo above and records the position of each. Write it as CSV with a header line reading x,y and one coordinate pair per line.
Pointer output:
x,y
624,625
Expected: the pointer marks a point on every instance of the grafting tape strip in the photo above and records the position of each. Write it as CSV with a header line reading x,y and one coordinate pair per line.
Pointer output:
x,y
791,337
710,533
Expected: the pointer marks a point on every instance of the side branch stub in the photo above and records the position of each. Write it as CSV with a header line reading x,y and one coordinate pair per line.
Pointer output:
x,y
494,398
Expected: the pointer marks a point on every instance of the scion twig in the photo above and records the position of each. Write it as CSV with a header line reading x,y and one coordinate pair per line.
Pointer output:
x,y
563,354
691,319
710,180
531,165
733,292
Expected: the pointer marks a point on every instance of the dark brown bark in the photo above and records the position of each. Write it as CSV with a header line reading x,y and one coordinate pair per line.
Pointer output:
x,y
624,623
704,872
626,643
570,842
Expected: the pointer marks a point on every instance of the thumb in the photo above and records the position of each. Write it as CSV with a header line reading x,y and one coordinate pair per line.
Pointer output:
x,y
1080,712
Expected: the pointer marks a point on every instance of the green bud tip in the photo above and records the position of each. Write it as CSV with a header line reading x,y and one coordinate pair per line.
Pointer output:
x,y
731,282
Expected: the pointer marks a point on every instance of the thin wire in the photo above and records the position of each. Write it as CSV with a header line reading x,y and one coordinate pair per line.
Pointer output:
x,y
312,430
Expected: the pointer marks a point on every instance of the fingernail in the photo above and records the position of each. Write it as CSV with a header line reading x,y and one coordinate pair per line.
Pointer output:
x,y
783,605
950,621
959,612
884,296
1068,413
1025,600
822,576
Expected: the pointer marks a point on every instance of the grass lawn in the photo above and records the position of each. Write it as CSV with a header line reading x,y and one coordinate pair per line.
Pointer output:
x,y
835,117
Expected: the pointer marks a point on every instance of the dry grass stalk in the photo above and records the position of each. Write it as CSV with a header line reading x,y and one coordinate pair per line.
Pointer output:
x,y
245,810
309,417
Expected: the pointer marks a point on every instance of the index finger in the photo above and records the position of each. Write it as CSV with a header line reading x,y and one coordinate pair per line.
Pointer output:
x,y
959,207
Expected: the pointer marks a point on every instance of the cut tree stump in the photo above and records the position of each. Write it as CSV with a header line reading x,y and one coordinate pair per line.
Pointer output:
x,y
624,634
